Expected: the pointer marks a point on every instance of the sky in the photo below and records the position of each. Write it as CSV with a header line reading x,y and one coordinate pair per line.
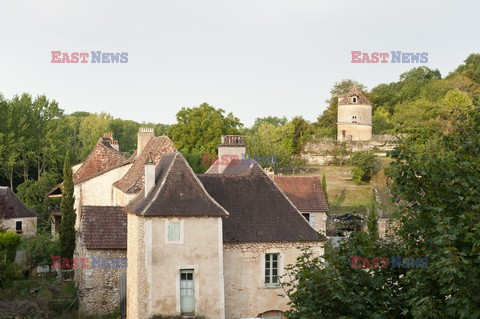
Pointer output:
x,y
252,58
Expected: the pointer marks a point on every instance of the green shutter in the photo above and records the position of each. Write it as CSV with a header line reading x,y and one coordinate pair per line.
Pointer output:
x,y
173,231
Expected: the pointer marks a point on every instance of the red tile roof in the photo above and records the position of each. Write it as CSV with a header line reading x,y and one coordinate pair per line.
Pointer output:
x,y
102,158
132,181
305,192
104,227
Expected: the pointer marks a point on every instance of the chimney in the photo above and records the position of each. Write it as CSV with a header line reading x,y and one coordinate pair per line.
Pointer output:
x,y
149,175
145,134
114,144
108,137
231,147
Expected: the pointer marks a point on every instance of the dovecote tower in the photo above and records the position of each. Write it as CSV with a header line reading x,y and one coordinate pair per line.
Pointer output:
x,y
354,117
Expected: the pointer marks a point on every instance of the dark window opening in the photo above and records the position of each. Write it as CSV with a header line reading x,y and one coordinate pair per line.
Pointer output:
x,y
306,216
18,225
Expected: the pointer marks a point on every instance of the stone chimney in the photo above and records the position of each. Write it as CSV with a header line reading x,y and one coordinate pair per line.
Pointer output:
x,y
108,137
149,175
231,147
145,134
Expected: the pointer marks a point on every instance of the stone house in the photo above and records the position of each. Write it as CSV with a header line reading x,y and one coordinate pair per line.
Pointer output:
x,y
186,241
307,195
14,215
104,244
211,245
354,122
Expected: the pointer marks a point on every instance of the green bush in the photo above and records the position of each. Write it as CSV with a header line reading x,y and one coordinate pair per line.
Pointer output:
x,y
357,175
367,161
39,250
8,245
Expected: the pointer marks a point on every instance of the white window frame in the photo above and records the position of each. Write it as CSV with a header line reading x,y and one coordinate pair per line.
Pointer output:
x,y
279,268
174,242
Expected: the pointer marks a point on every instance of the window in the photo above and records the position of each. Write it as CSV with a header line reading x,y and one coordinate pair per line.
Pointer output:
x,y
18,225
187,292
271,315
271,269
173,231
354,99
310,218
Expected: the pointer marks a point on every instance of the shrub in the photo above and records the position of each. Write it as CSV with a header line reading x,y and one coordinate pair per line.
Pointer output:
x,y
357,175
367,161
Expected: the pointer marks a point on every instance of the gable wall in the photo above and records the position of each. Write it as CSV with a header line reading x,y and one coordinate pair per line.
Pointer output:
x,y
246,295
159,293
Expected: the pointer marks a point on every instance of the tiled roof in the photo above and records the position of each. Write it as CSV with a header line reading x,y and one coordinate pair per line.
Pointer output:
x,y
354,91
259,211
177,192
11,206
104,227
242,167
102,158
305,192
132,181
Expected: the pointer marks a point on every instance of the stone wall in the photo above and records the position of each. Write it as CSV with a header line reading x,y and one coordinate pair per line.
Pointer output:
x,y
246,294
29,225
99,288
323,152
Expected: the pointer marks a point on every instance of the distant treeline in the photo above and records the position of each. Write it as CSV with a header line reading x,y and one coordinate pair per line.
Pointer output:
x,y
35,133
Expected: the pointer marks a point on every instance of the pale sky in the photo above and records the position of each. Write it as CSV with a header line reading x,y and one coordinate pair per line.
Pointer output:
x,y
252,58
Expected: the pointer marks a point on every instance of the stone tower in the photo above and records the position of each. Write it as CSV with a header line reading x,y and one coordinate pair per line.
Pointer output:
x,y
354,117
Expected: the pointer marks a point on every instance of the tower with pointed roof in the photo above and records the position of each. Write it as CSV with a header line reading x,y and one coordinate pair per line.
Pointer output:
x,y
354,117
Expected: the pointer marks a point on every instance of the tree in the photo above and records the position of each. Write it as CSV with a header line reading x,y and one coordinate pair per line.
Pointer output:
x,y
329,286
67,225
436,179
34,194
269,141
200,128
366,162
39,250
274,120
381,121
92,128
324,187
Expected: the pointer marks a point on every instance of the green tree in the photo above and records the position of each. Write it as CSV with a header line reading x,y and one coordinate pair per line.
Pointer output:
x,y
329,287
324,186
367,162
67,225
39,250
381,121
269,140
91,129
200,128
274,120
437,181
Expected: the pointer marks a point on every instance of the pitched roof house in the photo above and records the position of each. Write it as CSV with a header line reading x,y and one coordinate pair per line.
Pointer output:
x,y
307,195
209,245
14,215
229,235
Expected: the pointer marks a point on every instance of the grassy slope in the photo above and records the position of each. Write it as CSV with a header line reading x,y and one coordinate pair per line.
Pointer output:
x,y
347,197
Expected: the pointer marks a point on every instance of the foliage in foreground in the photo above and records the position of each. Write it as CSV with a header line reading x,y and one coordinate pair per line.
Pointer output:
x,y
436,182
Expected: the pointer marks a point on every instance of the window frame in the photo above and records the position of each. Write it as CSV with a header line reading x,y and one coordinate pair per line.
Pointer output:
x,y
180,241
271,268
